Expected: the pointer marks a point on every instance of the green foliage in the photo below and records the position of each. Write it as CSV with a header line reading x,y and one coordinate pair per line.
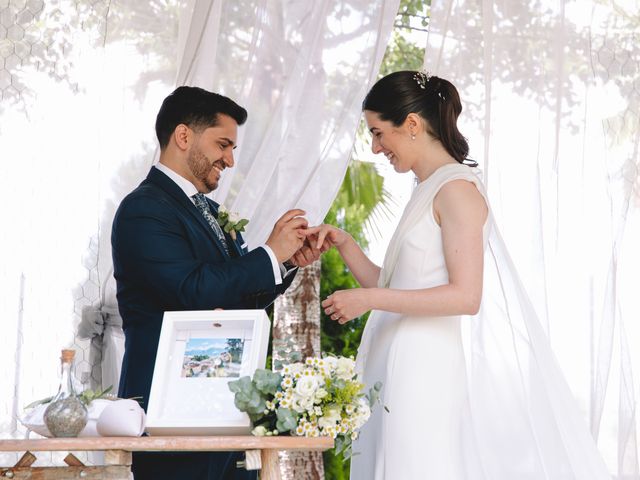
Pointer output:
x,y
88,396
402,54
374,394
360,193
199,358
287,420
247,396
267,381
342,392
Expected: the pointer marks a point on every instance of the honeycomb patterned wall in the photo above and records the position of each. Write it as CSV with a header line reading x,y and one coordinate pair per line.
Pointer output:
x,y
40,35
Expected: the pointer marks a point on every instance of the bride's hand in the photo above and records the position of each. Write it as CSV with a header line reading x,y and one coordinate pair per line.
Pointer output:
x,y
326,236
345,305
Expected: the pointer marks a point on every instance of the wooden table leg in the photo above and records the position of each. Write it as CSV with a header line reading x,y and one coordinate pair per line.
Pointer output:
x,y
270,465
26,460
117,457
73,461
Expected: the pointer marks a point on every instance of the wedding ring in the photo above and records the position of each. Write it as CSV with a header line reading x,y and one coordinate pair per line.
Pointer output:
x,y
335,316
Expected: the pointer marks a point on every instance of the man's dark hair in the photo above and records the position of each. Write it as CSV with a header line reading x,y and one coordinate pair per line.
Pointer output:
x,y
195,107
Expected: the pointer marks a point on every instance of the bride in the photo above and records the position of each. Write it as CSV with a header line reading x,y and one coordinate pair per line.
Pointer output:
x,y
470,385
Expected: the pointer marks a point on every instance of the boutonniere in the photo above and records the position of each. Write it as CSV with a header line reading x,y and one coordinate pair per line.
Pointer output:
x,y
231,222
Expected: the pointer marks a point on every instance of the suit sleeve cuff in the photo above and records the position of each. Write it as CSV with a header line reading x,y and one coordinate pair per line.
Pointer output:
x,y
277,268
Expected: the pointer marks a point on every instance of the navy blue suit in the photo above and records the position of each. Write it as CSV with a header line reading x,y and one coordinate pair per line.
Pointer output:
x,y
166,257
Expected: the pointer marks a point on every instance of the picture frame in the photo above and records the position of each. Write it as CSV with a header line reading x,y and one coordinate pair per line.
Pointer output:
x,y
199,352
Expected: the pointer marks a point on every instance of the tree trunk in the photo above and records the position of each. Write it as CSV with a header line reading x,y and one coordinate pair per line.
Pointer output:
x,y
297,316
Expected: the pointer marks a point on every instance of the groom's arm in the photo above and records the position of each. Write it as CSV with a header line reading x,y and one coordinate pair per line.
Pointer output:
x,y
151,244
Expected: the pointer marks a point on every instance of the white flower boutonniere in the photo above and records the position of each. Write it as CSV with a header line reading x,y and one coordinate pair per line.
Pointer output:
x,y
231,222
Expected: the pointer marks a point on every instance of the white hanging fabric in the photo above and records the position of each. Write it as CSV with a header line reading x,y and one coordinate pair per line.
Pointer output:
x,y
80,93
551,109
301,69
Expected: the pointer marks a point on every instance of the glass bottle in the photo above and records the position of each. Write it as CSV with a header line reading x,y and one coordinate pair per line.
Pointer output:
x,y
66,415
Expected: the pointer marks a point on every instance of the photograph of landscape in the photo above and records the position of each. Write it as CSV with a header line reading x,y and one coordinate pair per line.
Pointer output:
x,y
212,357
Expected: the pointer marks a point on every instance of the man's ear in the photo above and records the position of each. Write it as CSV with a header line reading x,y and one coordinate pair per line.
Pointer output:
x,y
183,136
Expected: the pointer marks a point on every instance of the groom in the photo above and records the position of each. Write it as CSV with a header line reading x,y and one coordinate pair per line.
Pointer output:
x,y
169,253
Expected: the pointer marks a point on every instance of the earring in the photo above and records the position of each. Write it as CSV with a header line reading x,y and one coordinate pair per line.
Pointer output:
x,y
413,137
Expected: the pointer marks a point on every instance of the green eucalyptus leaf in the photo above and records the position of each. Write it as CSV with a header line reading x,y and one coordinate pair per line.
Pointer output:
x,y
374,394
242,384
267,381
287,420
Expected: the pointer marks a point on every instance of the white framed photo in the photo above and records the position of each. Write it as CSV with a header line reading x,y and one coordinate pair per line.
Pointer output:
x,y
199,352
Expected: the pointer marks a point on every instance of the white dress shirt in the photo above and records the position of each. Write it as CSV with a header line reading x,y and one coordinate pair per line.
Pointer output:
x,y
190,190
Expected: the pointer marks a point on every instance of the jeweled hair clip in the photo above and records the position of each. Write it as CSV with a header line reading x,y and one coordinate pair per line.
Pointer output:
x,y
422,77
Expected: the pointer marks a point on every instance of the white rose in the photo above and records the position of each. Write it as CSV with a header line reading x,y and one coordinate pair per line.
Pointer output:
x,y
295,405
362,414
330,362
301,404
307,386
259,431
234,217
222,209
330,418
345,368
320,394
363,407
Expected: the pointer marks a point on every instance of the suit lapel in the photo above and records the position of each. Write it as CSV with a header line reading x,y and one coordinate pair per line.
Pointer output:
x,y
161,180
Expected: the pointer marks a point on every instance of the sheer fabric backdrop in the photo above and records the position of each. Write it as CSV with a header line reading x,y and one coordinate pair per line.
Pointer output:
x,y
302,70
79,98
552,107
76,134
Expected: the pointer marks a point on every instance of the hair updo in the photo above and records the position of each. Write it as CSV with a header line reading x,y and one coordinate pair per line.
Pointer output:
x,y
435,99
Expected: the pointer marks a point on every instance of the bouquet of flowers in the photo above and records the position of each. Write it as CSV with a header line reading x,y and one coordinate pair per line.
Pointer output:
x,y
317,397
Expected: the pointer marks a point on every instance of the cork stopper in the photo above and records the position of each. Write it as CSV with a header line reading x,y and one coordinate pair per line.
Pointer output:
x,y
67,355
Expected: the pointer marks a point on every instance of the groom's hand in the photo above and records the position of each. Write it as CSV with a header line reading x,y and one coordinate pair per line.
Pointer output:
x,y
307,254
287,236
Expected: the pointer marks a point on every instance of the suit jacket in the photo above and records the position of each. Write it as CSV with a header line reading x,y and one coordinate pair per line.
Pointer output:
x,y
166,257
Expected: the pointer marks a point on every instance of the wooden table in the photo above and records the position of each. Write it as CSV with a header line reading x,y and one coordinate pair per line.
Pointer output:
x,y
261,453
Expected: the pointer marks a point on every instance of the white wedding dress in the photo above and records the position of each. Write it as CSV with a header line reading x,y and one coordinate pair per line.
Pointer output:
x,y
474,398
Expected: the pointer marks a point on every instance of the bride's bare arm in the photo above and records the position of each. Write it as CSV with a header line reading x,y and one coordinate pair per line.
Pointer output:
x,y
364,270
461,212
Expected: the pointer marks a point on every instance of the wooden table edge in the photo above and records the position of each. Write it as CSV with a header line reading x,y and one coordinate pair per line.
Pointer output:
x,y
173,444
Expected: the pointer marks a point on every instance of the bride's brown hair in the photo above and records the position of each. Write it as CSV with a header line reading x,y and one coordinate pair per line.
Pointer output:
x,y
435,99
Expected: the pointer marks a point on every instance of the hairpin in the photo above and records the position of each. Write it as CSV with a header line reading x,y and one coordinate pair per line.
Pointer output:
x,y
422,77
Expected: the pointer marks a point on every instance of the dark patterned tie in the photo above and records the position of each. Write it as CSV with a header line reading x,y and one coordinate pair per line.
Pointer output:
x,y
202,205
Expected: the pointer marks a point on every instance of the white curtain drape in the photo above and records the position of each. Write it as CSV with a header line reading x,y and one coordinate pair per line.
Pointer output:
x,y
302,70
79,99
80,92
552,107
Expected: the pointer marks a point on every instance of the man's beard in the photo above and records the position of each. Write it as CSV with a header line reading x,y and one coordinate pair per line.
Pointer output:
x,y
201,167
